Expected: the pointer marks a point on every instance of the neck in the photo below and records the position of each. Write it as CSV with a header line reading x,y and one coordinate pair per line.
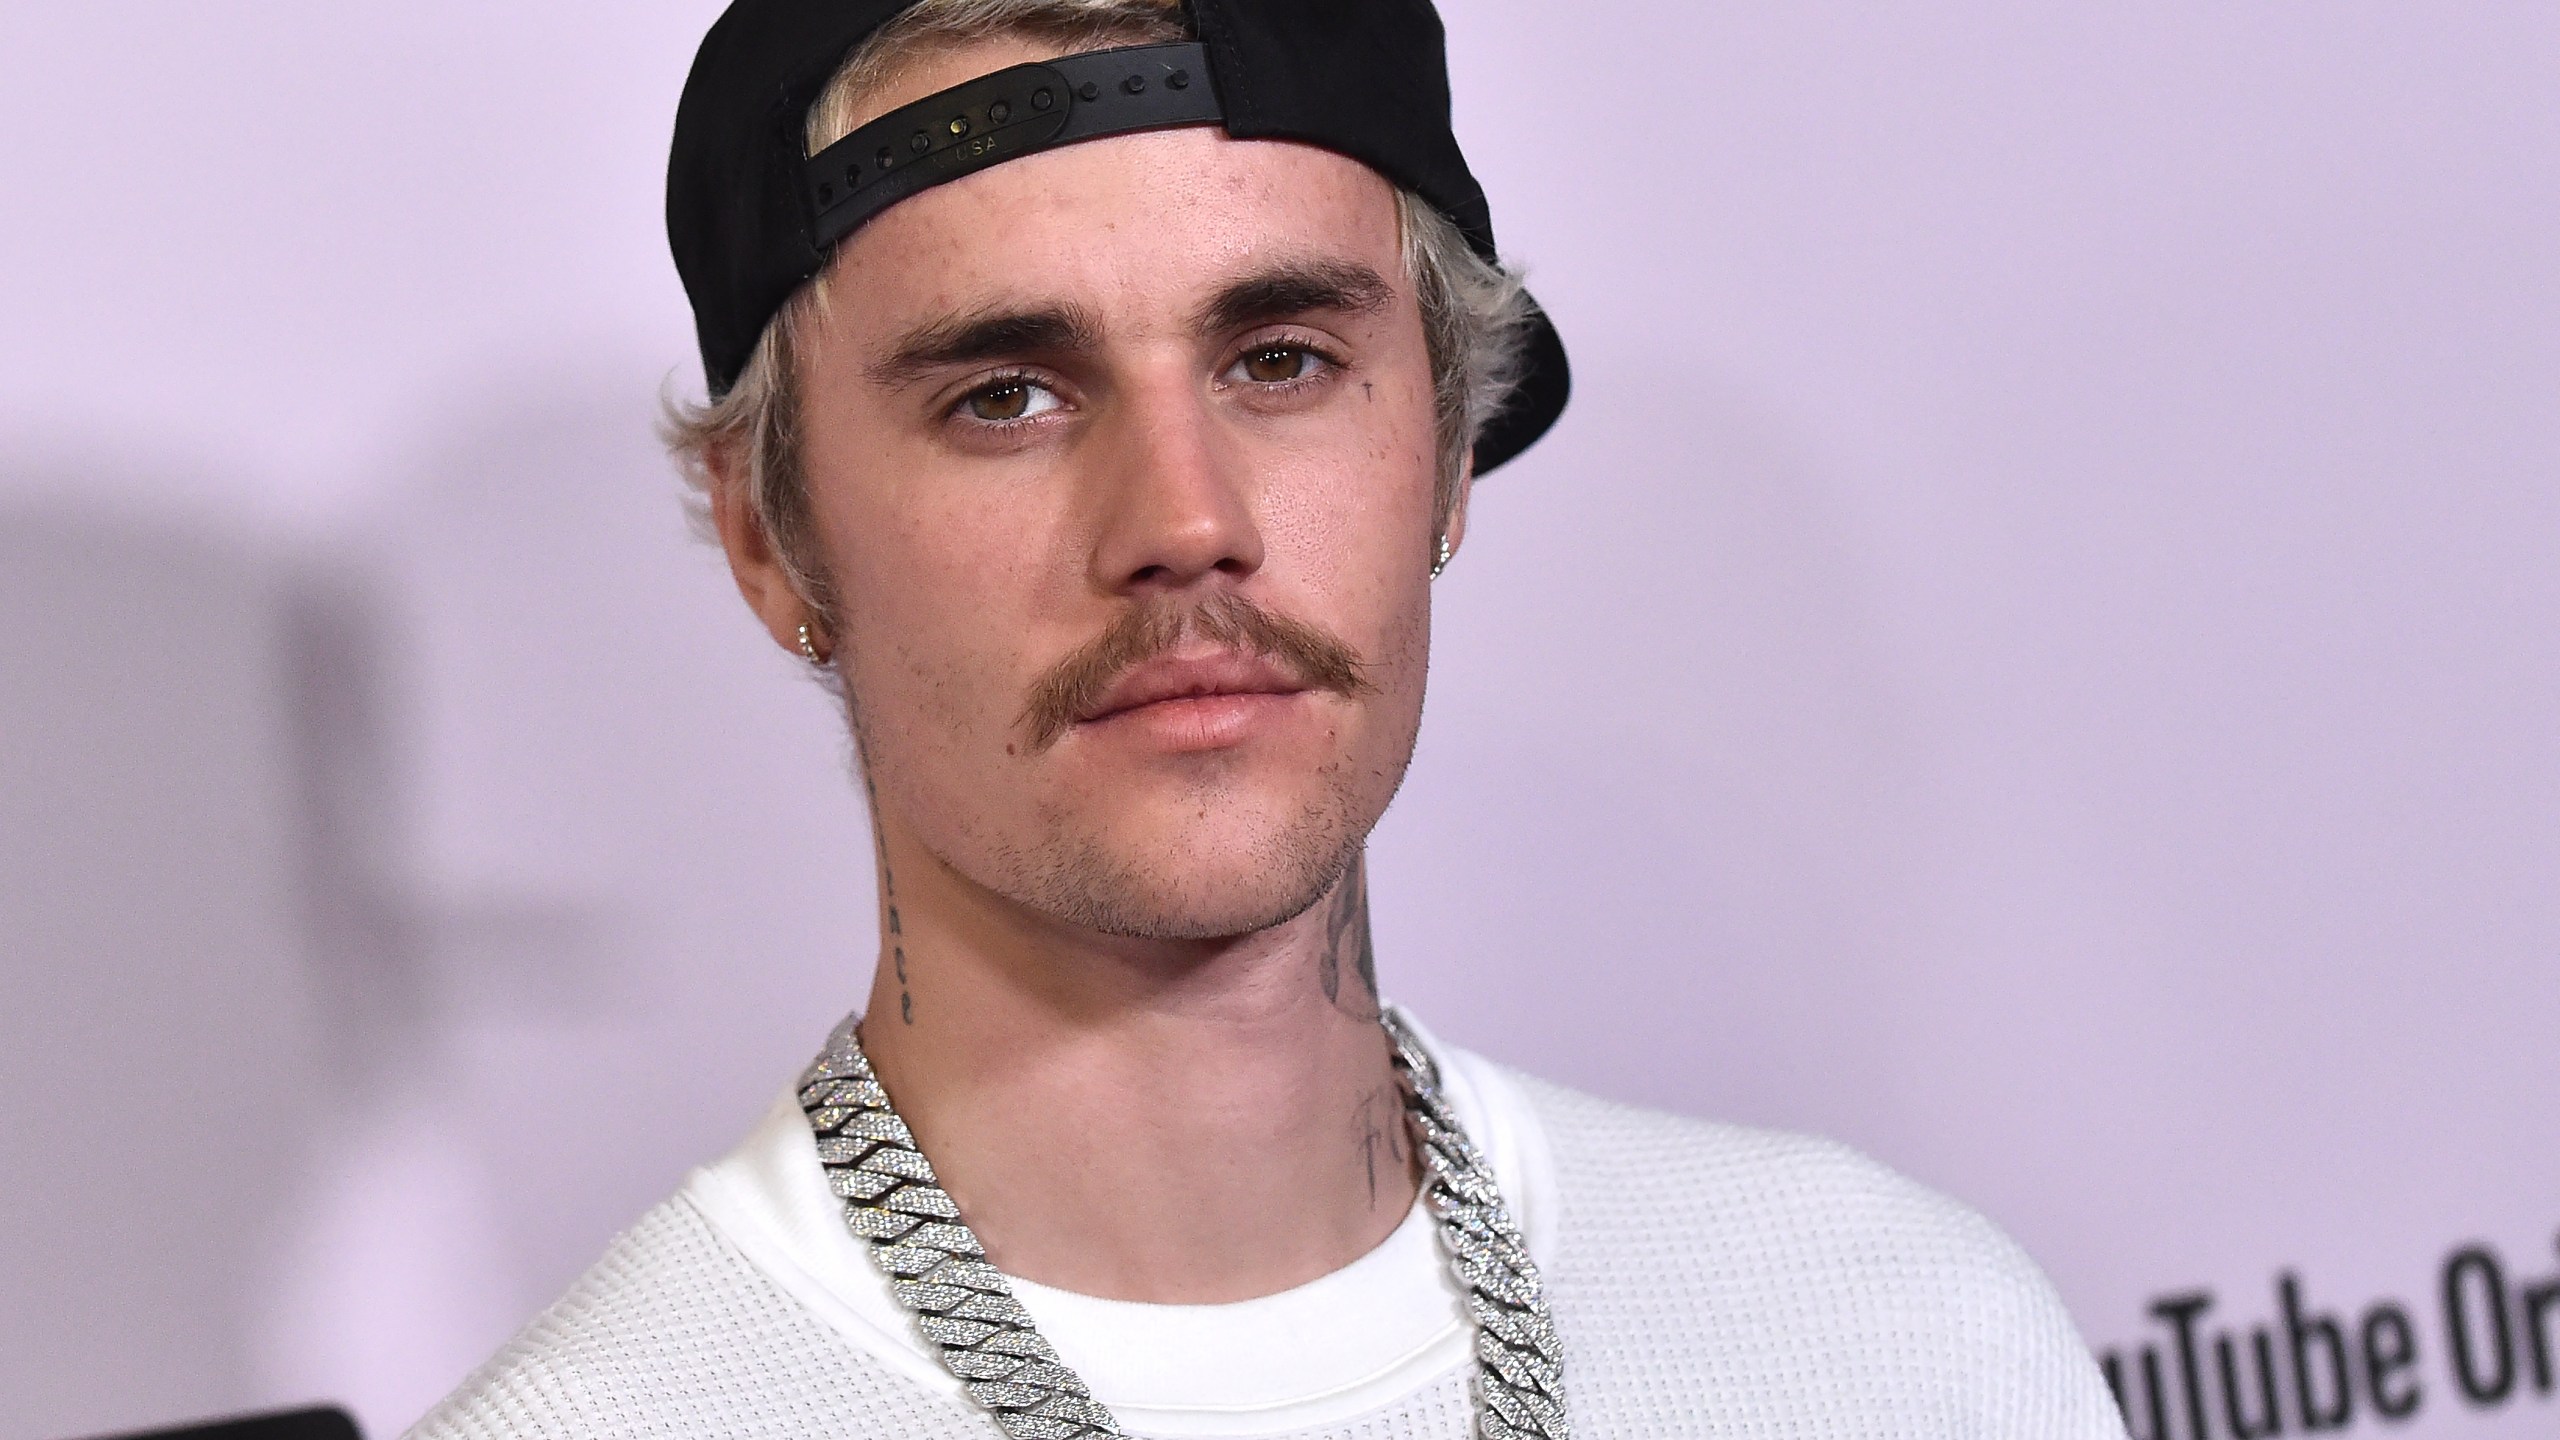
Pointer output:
x,y
1181,1122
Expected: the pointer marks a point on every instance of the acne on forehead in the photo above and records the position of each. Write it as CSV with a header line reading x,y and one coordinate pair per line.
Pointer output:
x,y
1156,219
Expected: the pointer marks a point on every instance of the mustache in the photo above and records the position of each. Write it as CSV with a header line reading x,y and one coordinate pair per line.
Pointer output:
x,y
1074,687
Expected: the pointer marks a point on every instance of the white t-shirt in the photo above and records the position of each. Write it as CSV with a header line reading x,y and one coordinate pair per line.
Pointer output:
x,y
1705,1280
1388,1324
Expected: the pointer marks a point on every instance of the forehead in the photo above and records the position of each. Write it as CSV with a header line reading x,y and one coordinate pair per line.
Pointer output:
x,y
1136,224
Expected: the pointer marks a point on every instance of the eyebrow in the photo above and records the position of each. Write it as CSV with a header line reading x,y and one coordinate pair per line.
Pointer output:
x,y
989,334
1290,287
1296,287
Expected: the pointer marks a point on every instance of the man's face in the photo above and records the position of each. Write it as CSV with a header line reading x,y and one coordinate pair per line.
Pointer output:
x,y
1121,460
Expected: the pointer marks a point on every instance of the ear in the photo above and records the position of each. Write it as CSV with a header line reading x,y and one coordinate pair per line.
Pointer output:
x,y
1454,524
753,561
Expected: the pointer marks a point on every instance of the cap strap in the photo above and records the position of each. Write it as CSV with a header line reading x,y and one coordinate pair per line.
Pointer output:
x,y
1004,116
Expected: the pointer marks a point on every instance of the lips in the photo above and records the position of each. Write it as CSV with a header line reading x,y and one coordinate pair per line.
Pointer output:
x,y
1197,678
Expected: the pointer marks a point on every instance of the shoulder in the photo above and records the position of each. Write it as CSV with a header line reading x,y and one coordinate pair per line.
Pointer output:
x,y
674,1331
1800,1279
1773,1196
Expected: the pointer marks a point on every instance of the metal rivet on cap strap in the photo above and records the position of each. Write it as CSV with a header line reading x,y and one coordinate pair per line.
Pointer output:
x,y
959,124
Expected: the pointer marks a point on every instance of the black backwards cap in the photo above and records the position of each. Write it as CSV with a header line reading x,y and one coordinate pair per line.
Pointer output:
x,y
751,216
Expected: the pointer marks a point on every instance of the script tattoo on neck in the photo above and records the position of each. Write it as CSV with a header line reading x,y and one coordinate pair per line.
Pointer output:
x,y
889,900
1346,940
1379,1121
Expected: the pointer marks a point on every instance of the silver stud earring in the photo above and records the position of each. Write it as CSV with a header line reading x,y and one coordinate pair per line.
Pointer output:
x,y
1440,558
809,645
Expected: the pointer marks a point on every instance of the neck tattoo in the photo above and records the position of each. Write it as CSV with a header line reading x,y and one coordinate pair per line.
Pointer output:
x,y
966,1310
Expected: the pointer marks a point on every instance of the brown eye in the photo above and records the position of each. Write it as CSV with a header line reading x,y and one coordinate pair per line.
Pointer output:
x,y
1275,364
1001,402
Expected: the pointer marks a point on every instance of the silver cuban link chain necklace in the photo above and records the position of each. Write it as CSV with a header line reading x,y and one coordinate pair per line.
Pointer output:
x,y
965,1308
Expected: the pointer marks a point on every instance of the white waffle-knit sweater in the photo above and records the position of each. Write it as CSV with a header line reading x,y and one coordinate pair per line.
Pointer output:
x,y
1707,1281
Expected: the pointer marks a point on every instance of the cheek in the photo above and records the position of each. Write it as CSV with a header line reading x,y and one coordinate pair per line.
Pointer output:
x,y
1349,541
1402,522
915,589
1404,445
1354,516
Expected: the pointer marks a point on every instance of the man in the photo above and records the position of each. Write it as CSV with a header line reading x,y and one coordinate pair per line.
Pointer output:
x,y
1097,389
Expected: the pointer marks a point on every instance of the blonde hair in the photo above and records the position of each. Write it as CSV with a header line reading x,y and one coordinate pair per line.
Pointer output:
x,y
1475,316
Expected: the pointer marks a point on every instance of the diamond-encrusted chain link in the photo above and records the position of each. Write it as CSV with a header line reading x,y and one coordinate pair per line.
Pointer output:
x,y
1519,1382
939,1271
936,1267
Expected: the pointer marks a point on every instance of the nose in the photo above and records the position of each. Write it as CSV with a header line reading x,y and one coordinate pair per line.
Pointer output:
x,y
1176,497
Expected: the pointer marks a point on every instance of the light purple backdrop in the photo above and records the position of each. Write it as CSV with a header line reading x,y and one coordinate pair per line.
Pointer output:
x,y
2033,652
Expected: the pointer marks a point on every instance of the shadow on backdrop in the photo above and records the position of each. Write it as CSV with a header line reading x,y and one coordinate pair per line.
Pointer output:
x,y
161,1035
219,959
549,808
